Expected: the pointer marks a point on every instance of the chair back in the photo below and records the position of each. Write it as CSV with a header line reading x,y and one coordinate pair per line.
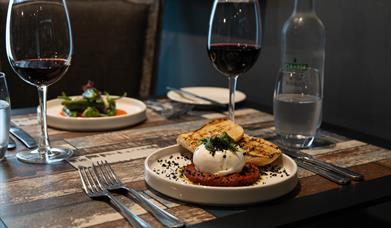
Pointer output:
x,y
115,46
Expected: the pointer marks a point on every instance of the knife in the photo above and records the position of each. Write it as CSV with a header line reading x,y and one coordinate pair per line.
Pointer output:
x,y
340,170
183,92
23,136
335,177
11,143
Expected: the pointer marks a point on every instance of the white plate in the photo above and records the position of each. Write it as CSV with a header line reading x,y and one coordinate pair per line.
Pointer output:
x,y
135,109
269,187
217,94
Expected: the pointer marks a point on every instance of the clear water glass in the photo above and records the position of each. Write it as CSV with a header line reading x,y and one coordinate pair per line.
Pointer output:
x,y
297,106
5,116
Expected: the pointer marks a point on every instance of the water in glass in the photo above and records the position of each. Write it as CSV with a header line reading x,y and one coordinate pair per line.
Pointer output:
x,y
5,115
4,127
298,106
297,117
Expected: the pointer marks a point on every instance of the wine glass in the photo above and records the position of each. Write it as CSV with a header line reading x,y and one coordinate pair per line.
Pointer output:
x,y
39,48
234,40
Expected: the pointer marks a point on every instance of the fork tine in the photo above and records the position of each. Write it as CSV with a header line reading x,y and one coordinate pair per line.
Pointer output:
x,y
92,183
108,172
91,178
96,177
82,179
89,182
105,174
111,171
100,174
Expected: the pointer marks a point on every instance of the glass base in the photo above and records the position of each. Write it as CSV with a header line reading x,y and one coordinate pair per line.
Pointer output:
x,y
296,141
54,155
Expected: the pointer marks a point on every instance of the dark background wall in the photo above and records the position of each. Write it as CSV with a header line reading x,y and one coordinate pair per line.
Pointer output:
x,y
357,92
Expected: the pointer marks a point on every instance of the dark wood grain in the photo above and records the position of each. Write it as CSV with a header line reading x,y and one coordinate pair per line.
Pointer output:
x,y
51,195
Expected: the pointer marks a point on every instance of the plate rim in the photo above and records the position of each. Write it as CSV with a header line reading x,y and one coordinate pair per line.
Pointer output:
x,y
98,118
174,184
201,87
106,123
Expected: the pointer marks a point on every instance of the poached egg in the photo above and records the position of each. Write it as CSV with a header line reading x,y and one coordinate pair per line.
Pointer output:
x,y
219,163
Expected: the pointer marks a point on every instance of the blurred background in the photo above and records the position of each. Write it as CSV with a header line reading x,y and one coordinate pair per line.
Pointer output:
x,y
357,89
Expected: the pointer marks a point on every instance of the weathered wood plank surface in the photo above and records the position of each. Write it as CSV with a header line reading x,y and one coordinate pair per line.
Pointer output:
x,y
51,196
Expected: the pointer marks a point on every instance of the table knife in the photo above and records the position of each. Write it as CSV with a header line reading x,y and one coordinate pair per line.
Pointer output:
x,y
23,136
340,170
11,143
183,92
335,177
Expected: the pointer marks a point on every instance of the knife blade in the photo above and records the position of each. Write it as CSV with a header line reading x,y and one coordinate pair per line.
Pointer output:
x,y
23,136
340,170
183,92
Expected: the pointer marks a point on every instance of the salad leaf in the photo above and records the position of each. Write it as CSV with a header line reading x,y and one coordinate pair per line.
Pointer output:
x,y
91,112
91,93
219,143
91,104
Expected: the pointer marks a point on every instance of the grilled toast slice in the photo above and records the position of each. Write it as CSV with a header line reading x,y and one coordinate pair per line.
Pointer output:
x,y
191,140
259,151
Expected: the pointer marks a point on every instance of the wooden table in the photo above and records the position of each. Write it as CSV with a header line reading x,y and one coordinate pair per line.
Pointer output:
x,y
51,195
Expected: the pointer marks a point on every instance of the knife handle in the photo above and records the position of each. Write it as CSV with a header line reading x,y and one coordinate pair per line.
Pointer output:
x,y
340,170
335,177
25,138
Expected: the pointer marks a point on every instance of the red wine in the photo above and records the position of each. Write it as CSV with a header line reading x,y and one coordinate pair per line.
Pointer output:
x,y
41,71
233,59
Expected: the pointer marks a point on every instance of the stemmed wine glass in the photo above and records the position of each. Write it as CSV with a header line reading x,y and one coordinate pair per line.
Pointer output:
x,y
234,40
39,48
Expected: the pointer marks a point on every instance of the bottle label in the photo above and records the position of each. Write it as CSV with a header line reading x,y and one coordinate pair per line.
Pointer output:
x,y
296,66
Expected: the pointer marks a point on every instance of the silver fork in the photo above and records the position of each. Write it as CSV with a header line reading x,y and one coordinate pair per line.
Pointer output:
x,y
112,182
95,189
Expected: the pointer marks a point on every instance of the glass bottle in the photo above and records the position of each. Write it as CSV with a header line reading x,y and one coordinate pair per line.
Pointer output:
x,y
303,38
299,88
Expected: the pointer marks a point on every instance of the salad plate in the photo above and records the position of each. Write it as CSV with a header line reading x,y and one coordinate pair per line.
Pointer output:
x,y
163,172
134,112
220,95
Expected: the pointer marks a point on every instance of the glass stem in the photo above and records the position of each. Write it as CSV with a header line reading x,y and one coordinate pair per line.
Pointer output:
x,y
44,145
232,89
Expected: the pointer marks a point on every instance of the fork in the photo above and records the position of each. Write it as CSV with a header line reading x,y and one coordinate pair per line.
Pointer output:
x,y
94,189
112,182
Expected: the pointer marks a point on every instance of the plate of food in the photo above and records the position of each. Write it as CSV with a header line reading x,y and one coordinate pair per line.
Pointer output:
x,y
94,110
220,95
218,164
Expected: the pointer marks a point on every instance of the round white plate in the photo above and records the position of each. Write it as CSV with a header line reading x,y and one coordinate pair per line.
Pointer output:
x,y
217,94
164,177
135,109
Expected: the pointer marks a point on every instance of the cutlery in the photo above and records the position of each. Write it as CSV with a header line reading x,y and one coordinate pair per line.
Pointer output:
x,y
340,170
183,92
11,143
95,189
111,181
169,110
335,177
23,136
